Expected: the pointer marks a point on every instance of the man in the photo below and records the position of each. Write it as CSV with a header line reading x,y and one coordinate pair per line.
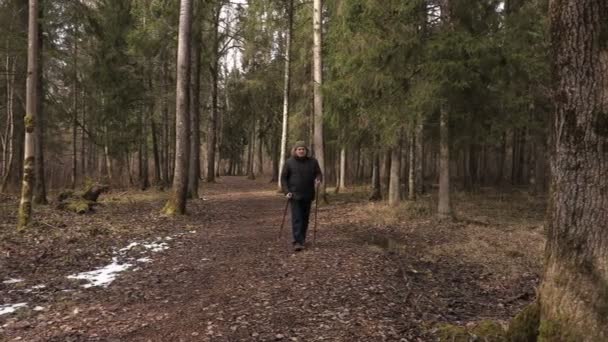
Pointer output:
x,y
299,177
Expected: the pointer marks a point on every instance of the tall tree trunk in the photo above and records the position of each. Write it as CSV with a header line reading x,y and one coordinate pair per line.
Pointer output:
x,y
342,183
419,162
574,292
385,176
177,202
25,206
7,145
74,112
376,193
412,169
212,129
275,160
40,183
319,142
251,153
444,209
155,151
83,145
165,125
195,113
502,159
394,188
145,176
260,153
286,89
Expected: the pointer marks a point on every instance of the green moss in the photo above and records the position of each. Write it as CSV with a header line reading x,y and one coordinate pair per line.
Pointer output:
x,y
556,331
170,209
25,211
79,206
453,333
524,327
489,331
29,123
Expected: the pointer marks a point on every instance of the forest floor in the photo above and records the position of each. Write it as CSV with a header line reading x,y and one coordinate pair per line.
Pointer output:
x,y
220,273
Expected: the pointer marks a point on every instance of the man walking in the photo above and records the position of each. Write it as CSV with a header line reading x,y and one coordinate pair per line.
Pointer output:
x,y
299,177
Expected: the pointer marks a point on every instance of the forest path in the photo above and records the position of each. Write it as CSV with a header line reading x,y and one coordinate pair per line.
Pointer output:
x,y
233,280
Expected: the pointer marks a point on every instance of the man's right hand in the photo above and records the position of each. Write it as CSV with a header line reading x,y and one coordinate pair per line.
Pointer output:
x,y
289,195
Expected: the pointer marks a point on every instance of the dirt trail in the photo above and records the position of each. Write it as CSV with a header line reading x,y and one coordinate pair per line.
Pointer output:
x,y
233,281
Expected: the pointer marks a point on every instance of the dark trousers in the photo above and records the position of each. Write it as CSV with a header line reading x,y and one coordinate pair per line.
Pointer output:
x,y
300,213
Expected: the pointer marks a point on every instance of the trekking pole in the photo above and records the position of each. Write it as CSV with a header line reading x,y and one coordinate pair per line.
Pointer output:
x,y
314,236
284,215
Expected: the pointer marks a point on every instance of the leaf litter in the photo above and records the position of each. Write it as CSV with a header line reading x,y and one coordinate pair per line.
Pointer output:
x,y
238,282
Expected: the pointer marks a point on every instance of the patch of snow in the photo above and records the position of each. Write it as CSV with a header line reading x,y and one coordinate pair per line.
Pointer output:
x,y
144,260
13,281
193,232
103,276
39,308
156,247
10,308
168,238
129,247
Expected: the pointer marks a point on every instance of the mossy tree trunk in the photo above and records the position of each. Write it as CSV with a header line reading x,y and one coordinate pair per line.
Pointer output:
x,y
177,200
31,108
574,292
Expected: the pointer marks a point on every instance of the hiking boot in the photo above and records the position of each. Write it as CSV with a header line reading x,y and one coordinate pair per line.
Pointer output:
x,y
298,247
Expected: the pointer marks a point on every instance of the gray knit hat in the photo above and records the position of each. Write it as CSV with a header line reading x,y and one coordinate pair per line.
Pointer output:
x,y
300,143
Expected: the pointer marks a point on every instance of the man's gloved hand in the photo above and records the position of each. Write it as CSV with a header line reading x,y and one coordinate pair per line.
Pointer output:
x,y
289,195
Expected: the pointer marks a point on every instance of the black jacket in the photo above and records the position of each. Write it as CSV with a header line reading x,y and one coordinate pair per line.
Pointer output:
x,y
298,177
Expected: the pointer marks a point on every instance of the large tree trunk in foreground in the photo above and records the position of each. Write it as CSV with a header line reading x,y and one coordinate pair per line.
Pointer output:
x,y
319,142
177,201
31,108
574,292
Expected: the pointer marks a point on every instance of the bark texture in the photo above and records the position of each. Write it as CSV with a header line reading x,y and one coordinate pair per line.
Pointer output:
x,y
319,142
444,209
31,108
177,201
286,89
574,292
